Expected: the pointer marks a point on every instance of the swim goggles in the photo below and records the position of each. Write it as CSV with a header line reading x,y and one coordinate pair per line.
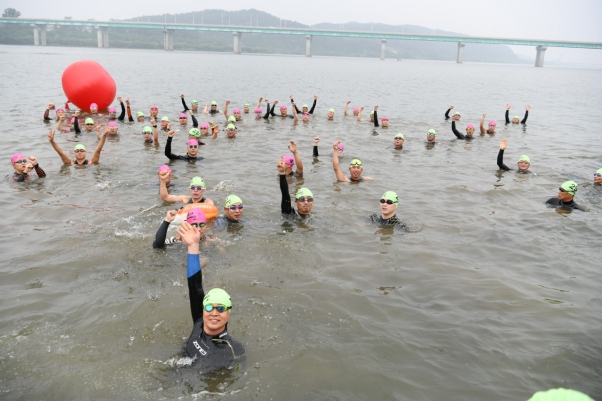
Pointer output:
x,y
220,308
234,207
199,225
302,199
387,201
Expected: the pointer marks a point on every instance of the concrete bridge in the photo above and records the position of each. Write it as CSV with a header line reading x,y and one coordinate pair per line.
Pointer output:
x,y
102,28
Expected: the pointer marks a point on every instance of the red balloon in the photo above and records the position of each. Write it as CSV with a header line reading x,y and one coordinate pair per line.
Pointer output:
x,y
86,82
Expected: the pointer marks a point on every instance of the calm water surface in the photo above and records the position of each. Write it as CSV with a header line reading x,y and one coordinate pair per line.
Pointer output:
x,y
492,296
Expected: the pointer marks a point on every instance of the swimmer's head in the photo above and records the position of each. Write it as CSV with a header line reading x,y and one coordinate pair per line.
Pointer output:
x,y
523,163
140,116
18,156
231,130
112,110
515,119
193,147
289,160
524,158
560,394
356,111
233,207
195,102
183,118
258,112
355,163
197,182
164,121
598,173
355,169
93,108
60,111
492,123
113,127
456,116
183,115
331,114
195,132
303,192
165,118
112,124
469,126
305,116
80,151
305,107
196,216
231,119
392,196
204,127
236,111
246,107
398,140
165,167
217,296
569,187
154,108
213,104
469,129
231,200
385,121
304,200
431,135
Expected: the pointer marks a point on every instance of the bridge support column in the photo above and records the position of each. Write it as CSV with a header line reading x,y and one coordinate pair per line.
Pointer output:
x,y
39,34
168,39
237,42
383,46
460,52
541,52
307,45
102,36
36,35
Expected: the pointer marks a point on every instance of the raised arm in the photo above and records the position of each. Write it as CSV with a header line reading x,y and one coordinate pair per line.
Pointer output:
x,y
313,106
293,148
205,109
335,163
507,114
346,107
447,112
456,132
34,162
184,103
47,112
191,236
168,153
164,194
524,121
273,107
59,123
66,159
195,123
259,102
155,131
267,112
226,110
294,105
482,125
122,115
96,156
127,102
285,204
316,141
161,234
376,116
500,156
359,114
295,116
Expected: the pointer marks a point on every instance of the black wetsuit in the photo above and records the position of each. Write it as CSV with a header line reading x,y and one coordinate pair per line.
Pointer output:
x,y
21,177
267,113
376,118
285,206
558,203
502,166
161,237
279,115
219,350
447,114
524,120
171,156
85,163
311,111
186,107
391,221
316,151
223,222
458,134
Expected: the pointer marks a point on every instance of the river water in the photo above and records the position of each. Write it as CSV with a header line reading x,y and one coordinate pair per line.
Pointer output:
x,y
491,295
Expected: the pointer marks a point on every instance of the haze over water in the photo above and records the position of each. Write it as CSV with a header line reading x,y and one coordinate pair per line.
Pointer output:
x,y
490,296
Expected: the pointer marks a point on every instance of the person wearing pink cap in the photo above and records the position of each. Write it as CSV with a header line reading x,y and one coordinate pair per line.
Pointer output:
x,y
289,161
385,120
168,176
192,147
23,167
236,112
93,108
63,124
112,113
283,110
258,113
459,135
204,128
197,191
356,110
183,119
196,218
79,150
491,126
154,111
355,167
49,107
113,128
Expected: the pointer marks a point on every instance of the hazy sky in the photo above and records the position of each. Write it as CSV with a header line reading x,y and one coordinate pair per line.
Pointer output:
x,y
537,19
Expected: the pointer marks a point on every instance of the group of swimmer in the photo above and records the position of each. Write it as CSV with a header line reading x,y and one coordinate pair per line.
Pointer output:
x,y
209,343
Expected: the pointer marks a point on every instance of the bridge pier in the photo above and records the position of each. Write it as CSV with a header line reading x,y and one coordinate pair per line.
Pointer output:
x,y
460,52
39,34
307,45
168,39
383,46
237,42
102,36
541,52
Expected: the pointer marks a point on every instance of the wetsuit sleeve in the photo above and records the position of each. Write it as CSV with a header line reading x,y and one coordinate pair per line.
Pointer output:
x,y
375,118
507,118
295,106
267,113
313,106
41,173
46,113
76,126
130,118
500,161
195,123
184,104
285,206
122,115
524,121
159,241
272,111
316,151
195,286
456,132
22,177
168,153
447,114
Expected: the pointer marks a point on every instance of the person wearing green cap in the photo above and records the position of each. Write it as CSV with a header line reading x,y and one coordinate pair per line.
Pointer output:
x,y
355,167
516,119
560,394
209,344
398,141
246,108
195,134
88,124
305,108
431,138
455,117
213,110
140,116
79,150
233,211
566,193
598,177
388,211
192,149
330,115
523,162
197,191
165,123
230,131
304,199
371,116
151,135
194,105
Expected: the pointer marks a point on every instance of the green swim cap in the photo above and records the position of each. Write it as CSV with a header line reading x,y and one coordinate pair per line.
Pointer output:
x,y
140,114
391,195
432,132
195,102
79,146
195,132
372,113
355,162
147,130
331,111
303,192
560,394
305,106
214,103
517,117
524,158
231,126
165,118
570,187
232,199
457,113
599,171
400,135
217,296
231,118
89,121
197,181
247,105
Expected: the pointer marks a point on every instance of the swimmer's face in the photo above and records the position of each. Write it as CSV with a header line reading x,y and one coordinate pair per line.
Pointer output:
x,y
372,117
197,193
235,214
564,196
305,206
215,322
60,113
193,150
356,112
231,133
113,130
523,166
164,124
246,109
214,107
148,137
20,167
237,115
385,123
491,128
283,112
154,112
80,155
257,116
195,106
204,131
515,121
469,131
330,115
597,178
388,210
89,127
430,138
355,172
183,120
306,117
93,110
141,119
455,117
113,115
398,142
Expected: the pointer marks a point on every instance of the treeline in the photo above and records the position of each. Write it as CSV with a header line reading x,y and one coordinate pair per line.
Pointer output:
x,y
140,38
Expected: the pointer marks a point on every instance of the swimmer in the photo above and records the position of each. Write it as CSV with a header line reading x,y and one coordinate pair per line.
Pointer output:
x,y
63,125
290,161
192,147
154,111
305,108
258,113
151,134
598,177
88,124
197,190
209,343
459,135
246,108
398,141
491,126
113,128
330,115
140,117
388,211
23,167
283,110
183,119
384,121
49,107
129,111
195,134
168,176
372,116
233,211
194,104
455,117
195,216
236,113
566,193
523,162
93,108
165,124
204,128
516,119
304,199
230,131
316,141
231,120
431,137
355,167
79,150
213,110
113,113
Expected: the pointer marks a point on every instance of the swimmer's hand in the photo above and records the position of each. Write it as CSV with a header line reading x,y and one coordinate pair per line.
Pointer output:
x,y
291,97
508,106
375,108
275,102
315,97
28,168
50,106
127,101
528,108
119,99
163,175
503,144
51,136
171,133
292,147
267,101
281,166
76,113
153,121
451,107
335,145
33,160
171,214
182,95
484,115
316,140
62,118
348,101
227,102
106,132
168,125
190,235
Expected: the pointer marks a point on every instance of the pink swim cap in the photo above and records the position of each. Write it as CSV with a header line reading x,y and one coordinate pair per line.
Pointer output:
x,y
112,110
258,110
154,107
236,110
16,157
470,126
282,107
204,126
192,142
59,109
341,147
93,106
112,124
289,160
196,216
183,115
385,118
356,109
492,122
164,167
